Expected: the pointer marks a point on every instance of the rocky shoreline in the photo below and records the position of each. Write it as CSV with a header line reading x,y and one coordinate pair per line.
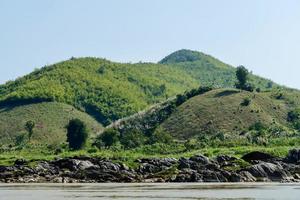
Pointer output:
x,y
255,167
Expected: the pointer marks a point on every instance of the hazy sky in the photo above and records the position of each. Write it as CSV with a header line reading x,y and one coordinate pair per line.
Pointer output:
x,y
263,35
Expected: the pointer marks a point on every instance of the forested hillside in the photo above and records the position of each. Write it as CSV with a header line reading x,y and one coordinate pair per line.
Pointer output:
x,y
109,91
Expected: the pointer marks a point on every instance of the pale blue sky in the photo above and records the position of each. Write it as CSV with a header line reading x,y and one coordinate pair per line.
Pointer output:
x,y
263,35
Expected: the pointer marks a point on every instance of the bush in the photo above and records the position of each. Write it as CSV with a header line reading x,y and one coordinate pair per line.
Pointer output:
x,y
76,134
20,140
160,136
92,150
293,115
180,99
248,87
133,139
191,144
246,102
258,126
108,138
29,126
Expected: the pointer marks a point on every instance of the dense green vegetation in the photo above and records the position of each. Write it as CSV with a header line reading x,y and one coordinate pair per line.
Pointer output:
x,y
77,134
109,91
104,89
179,118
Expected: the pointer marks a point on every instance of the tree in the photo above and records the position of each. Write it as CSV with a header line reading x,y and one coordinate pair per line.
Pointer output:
x,y
109,137
160,136
29,126
76,134
242,76
133,139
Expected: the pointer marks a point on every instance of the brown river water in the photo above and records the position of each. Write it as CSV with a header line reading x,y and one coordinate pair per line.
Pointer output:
x,y
142,191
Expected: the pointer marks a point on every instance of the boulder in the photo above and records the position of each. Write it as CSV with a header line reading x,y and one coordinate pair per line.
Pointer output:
x,y
257,156
224,160
188,175
247,177
293,156
20,162
184,163
269,171
200,159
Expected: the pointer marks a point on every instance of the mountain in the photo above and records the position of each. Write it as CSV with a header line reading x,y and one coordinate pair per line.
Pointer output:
x,y
106,91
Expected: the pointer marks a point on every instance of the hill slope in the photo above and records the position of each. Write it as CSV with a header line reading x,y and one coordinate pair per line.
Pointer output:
x,y
50,118
109,91
222,111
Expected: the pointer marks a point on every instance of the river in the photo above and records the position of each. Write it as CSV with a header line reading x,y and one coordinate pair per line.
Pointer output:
x,y
110,191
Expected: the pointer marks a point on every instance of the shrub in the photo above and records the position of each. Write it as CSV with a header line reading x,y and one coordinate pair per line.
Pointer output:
x,y
246,102
19,140
29,126
191,144
258,126
108,138
160,136
293,115
76,134
180,99
133,139
248,87
92,150
279,96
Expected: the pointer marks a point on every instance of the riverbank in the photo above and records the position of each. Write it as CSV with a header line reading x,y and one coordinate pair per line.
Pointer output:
x,y
252,167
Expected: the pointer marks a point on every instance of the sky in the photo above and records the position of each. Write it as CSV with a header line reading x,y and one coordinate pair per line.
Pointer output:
x,y
263,35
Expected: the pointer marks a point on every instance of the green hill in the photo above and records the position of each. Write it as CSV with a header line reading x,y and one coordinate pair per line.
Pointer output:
x,y
50,118
235,117
109,91
104,89
222,110
208,70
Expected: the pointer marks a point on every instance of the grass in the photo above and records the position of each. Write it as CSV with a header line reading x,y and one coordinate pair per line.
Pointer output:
x,y
130,156
50,121
221,111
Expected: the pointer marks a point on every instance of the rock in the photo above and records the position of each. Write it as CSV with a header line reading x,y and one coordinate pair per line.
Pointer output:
x,y
146,168
184,163
200,159
212,176
44,167
20,162
67,163
82,165
107,165
188,175
293,156
269,171
225,160
247,177
256,155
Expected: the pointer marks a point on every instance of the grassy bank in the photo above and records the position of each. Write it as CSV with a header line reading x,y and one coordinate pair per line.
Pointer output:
x,y
118,154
